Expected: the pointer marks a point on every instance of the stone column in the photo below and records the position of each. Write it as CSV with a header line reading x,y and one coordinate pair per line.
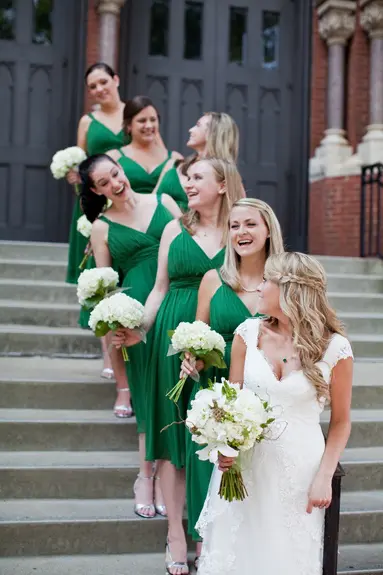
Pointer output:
x,y
109,11
371,19
336,26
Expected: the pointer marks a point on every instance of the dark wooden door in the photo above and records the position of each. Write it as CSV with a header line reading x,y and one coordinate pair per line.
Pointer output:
x,y
243,57
36,108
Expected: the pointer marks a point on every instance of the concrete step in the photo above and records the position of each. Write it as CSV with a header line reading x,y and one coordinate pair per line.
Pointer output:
x,y
361,519
369,323
363,467
33,269
353,559
73,526
350,302
340,283
367,389
50,314
343,265
366,346
34,250
367,427
67,430
68,475
48,341
37,290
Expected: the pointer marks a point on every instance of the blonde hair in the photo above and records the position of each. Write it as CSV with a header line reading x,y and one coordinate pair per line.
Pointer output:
x,y
303,300
273,245
225,173
222,139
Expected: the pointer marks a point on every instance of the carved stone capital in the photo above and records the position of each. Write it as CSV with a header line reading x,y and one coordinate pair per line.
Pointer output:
x,y
110,6
371,17
337,20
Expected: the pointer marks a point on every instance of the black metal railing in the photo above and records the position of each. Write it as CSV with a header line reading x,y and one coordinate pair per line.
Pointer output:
x,y
331,530
371,206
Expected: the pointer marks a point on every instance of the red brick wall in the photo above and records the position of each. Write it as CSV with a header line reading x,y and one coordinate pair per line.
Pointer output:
x,y
334,215
92,48
318,86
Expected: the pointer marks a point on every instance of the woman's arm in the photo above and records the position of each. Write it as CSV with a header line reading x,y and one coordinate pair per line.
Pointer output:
x,y
338,433
161,286
98,240
171,205
73,176
237,360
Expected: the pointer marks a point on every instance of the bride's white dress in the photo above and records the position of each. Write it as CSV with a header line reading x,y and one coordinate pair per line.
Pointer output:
x,y
270,532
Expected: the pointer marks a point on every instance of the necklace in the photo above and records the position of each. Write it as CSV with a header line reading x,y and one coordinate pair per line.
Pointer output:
x,y
286,359
247,289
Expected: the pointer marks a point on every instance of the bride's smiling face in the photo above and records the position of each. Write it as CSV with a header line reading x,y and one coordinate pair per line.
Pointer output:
x,y
268,298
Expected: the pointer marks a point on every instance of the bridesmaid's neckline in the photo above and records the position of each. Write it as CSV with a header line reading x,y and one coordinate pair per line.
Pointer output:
x,y
142,167
94,119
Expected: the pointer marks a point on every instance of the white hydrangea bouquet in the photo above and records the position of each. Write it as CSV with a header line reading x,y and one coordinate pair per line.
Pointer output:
x,y
65,160
228,420
115,312
94,285
84,227
202,342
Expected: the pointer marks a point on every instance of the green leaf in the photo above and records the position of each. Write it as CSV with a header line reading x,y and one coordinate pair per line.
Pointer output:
x,y
114,325
102,329
171,333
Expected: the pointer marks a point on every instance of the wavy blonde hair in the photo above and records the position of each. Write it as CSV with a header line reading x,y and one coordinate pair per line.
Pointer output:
x,y
273,245
225,173
303,299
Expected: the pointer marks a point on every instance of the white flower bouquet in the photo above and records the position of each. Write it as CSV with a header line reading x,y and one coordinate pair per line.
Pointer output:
x,y
228,420
65,160
94,285
202,342
84,227
115,312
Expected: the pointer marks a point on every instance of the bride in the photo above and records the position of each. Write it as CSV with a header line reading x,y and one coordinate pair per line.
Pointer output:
x,y
291,359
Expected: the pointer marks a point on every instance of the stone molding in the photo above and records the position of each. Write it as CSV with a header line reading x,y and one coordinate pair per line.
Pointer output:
x,y
110,6
371,17
337,20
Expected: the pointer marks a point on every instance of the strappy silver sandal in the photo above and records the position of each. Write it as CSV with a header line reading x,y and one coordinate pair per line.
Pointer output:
x,y
122,410
170,564
160,509
139,508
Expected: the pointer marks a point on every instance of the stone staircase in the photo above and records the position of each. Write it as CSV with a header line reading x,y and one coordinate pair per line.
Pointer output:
x,y
67,466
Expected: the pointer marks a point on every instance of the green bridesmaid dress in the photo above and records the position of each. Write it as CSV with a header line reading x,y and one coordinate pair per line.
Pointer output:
x,y
136,254
187,264
141,181
99,139
227,312
171,185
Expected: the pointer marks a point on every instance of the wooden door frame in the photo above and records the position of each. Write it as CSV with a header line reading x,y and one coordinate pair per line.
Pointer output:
x,y
298,178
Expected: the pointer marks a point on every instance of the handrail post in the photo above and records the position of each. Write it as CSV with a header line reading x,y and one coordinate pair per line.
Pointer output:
x,y
331,530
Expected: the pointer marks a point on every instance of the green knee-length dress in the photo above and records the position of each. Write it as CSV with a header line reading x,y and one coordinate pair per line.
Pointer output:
x,y
99,139
171,185
187,264
227,312
136,255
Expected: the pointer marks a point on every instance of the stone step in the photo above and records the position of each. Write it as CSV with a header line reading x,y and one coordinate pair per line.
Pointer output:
x,y
48,341
67,430
33,269
343,265
34,250
74,526
37,290
363,467
68,475
367,427
350,302
353,559
366,346
50,314
340,283
369,323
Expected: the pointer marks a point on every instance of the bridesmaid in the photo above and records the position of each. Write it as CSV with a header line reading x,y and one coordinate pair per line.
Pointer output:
x,y
142,159
226,298
215,135
189,248
128,233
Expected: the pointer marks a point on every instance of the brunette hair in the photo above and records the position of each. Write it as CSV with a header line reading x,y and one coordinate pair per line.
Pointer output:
x,y
92,204
134,107
100,66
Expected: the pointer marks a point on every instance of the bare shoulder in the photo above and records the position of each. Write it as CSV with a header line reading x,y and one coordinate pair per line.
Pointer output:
x,y
85,122
176,156
114,154
171,230
211,280
99,226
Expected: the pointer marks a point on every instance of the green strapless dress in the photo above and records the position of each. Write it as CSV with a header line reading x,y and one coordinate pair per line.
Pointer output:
x,y
142,182
99,139
227,312
187,264
136,254
171,185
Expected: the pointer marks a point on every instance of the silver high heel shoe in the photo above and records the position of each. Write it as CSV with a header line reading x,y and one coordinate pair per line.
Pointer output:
x,y
170,564
160,509
123,410
139,508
